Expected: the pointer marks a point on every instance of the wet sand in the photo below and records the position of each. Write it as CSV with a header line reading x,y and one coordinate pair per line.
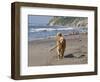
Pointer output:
x,y
75,53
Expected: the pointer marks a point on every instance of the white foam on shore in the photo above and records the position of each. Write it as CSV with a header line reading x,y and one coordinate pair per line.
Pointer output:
x,y
49,29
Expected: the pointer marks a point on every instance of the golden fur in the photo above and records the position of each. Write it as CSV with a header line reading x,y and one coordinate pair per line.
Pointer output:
x,y
60,45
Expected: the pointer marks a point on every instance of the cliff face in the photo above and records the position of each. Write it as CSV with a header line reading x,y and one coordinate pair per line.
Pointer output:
x,y
69,21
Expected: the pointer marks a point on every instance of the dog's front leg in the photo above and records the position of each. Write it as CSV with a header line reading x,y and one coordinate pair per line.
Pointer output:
x,y
58,53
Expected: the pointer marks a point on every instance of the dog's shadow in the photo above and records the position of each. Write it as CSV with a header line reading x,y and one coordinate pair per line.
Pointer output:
x,y
69,56
72,56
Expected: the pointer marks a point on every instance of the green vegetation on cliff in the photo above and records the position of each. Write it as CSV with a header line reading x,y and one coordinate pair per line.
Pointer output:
x,y
69,21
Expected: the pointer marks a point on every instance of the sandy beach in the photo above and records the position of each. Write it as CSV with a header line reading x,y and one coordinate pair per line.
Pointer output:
x,y
75,53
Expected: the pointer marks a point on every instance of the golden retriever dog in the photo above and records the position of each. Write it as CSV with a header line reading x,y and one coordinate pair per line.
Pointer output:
x,y
60,45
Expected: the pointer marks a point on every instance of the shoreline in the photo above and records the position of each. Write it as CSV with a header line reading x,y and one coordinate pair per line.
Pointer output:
x,y
53,37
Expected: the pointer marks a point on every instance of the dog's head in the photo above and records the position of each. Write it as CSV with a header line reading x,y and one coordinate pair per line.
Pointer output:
x,y
61,40
59,34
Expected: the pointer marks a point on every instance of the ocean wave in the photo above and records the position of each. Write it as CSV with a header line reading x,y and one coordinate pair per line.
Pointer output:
x,y
48,29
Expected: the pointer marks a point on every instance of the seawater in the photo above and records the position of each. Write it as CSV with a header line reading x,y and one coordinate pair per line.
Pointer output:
x,y
42,32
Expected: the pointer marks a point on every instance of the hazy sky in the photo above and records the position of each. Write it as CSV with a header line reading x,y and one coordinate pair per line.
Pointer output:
x,y
38,20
